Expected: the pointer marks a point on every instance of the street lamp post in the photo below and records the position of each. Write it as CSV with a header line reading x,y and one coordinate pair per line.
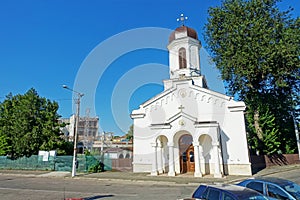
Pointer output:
x,y
297,135
77,101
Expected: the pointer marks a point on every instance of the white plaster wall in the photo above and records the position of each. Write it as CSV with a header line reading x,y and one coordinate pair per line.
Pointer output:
x,y
199,105
234,128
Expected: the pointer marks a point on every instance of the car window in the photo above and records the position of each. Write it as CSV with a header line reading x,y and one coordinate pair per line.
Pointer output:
x,y
213,194
275,192
227,197
259,187
294,190
200,193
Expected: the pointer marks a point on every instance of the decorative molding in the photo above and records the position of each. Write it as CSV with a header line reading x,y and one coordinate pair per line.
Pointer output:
x,y
181,114
137,115
161,126
202,124
236,106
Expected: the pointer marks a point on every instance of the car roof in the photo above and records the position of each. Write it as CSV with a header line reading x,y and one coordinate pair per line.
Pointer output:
x,y
278,181
236,190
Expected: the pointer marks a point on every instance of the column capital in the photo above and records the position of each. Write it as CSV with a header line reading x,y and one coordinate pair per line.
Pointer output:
x,y
215,144
171,144
196,143
159,145
154,144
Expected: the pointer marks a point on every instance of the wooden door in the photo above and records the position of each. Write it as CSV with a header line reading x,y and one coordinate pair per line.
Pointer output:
x,y
190,159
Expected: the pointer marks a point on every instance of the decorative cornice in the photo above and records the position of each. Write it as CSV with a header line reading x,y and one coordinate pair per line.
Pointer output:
x,y
237,106
161,126
181,114
137,115
202,124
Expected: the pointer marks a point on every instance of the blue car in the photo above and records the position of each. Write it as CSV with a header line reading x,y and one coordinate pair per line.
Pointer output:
x,y
273,188
226,192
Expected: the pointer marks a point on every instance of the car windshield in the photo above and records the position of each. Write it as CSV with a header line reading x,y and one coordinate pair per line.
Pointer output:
x,y
294,190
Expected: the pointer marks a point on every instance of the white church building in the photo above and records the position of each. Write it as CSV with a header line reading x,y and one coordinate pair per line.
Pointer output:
x,y
188,128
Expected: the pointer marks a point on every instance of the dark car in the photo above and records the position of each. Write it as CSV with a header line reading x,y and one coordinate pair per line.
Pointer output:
x,y
226,192
273,188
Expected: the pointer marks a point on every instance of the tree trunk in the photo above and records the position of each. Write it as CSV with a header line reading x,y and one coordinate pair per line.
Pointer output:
x,y
258,129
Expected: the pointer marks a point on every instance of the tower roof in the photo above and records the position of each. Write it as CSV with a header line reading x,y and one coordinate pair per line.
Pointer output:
x,y
186,31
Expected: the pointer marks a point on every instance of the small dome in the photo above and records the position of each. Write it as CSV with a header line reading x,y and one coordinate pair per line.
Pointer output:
x,y
183,29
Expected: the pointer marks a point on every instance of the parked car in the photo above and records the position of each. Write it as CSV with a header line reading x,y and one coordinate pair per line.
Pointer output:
x,y
274,188
226,192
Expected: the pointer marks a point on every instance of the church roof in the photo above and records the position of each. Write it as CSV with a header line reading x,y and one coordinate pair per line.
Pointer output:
x,y
183,29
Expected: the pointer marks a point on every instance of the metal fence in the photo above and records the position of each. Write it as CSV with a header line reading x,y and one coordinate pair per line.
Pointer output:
x,y
58,163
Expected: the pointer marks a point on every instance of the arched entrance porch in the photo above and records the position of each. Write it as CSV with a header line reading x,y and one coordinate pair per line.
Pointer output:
x,y
160,163
186,154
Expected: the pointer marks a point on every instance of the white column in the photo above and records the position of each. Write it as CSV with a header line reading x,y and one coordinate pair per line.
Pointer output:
x,y
217,173
154,171
171,159
164,158
197,160
160,158
202,160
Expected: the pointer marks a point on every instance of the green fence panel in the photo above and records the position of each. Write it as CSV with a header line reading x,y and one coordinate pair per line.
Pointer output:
x,y
31,163
58,163
63,163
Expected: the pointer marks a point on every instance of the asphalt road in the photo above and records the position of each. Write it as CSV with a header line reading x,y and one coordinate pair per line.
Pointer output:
x,y
36,188
22,187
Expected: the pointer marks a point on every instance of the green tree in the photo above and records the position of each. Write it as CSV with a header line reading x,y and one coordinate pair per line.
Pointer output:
x,y
29,123
4,146
256,47
129,134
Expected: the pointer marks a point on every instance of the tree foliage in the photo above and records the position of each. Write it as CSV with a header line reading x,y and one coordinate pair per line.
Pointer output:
x,y
29,123
129,134
256,47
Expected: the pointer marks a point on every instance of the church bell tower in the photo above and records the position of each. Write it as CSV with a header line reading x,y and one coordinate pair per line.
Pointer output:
x,y
184,46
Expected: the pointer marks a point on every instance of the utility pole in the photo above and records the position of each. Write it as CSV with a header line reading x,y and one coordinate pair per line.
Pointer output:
x,y
77,102
102,146
297,135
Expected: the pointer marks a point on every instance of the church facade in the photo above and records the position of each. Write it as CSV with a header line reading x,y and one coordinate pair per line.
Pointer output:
x,y
188,128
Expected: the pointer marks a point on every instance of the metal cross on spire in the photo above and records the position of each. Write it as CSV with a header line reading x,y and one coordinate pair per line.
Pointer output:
x,y
182,19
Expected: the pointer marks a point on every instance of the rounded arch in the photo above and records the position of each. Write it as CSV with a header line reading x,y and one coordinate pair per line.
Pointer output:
x,y
183,143
178,135
162,153
161,139
182,58
205,142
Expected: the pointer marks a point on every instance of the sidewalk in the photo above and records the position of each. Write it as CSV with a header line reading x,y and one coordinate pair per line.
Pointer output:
x,y
146,177
185,178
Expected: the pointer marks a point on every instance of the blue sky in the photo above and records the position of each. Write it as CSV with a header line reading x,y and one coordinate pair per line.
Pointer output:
x,y
47,43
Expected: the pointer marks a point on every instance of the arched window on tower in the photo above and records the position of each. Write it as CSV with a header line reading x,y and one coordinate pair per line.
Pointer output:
x,y
182,58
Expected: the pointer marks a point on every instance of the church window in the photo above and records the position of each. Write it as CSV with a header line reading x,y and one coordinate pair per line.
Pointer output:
x,y
182,58
192,156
